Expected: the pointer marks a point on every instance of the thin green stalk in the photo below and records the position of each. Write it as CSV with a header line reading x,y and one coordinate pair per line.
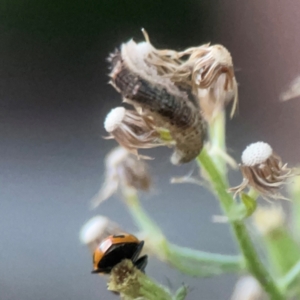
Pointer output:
x,y
141,218
294,192
252,260
253,194
189,261
217,131
217,140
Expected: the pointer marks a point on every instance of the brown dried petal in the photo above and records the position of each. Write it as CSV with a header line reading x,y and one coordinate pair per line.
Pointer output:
x,y
134,131
201,69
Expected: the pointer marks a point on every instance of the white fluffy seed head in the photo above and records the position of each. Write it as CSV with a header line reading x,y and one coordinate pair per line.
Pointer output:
x,y
256,153
114,118
93,229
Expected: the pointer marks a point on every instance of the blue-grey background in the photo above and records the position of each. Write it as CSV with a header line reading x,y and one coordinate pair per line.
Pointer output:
x,y
54,97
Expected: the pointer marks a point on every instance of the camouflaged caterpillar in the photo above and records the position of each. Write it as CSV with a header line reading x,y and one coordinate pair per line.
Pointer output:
x,y
170,106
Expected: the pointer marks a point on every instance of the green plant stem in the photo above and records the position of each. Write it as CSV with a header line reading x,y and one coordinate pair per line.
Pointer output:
x,y
189,261
294,192
141,218
217,140
253,194
290,277
252,260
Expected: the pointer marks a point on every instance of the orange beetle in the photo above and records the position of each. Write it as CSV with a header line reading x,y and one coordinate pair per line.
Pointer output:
x,y
113,249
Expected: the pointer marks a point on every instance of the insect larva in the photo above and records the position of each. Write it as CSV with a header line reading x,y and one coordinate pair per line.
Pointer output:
x,y
170,107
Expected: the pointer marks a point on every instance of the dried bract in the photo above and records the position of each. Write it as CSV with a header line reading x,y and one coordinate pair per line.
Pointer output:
x,y
262,170
132,130
123,170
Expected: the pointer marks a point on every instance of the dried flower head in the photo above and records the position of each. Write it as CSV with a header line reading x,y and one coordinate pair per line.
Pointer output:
x,y
248,288
132,130
97,228
207,69
262,170
169,106
212,78
123,170
268,219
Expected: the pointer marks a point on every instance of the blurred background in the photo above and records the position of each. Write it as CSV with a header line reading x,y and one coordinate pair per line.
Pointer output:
x,y
54,97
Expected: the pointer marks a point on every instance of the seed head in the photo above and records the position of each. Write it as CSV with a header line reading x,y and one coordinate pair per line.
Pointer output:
x,y
125,171
262,170
256,153
132,130
114,119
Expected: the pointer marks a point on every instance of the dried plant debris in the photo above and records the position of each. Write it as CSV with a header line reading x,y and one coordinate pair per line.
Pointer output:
x,y
122,170
293,91
171,107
